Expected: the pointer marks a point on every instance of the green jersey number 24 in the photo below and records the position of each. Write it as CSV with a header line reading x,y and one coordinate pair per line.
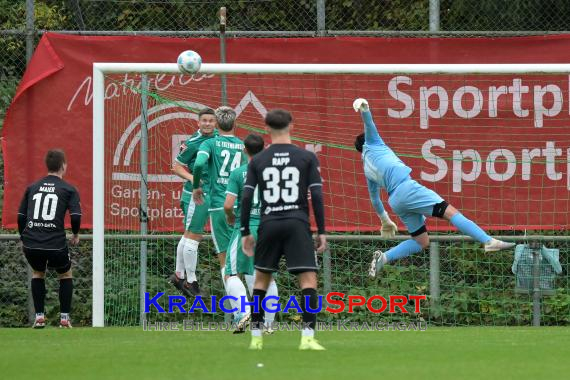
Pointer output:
x,y
236,162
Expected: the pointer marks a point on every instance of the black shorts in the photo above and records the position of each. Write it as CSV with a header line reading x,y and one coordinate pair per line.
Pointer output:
x,y
39,259
285,237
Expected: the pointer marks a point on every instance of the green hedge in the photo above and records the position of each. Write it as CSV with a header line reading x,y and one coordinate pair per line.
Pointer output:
x,y
477,288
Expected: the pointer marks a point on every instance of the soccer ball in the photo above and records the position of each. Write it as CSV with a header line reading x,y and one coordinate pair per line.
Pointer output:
x,y
189,61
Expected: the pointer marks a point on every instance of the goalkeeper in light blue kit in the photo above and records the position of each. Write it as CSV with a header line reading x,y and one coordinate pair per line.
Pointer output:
x,y
410,200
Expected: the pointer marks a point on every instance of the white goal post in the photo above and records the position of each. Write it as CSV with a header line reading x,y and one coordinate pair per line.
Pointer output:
x,y
100,69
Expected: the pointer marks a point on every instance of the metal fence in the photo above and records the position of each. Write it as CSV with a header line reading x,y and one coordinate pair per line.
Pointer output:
x,y
464,287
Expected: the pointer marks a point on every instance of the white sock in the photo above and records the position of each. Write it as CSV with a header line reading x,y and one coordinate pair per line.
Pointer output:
x,y
249,279
223,273
39,315
256,332
235,288
64,316
271,291
180,258
190,259
233,304
384,258
308,332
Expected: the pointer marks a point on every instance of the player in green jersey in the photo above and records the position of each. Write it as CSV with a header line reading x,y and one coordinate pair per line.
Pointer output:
x,y
218,157
237,263
195,216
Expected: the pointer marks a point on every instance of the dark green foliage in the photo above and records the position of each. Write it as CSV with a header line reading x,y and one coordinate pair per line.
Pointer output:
x,y
14,287
476,288
507,15
377,15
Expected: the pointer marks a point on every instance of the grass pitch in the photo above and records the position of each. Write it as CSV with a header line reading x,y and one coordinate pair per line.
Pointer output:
x,y
438,353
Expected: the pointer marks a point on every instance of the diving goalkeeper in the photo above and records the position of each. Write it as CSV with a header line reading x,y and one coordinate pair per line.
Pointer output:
x,y
410,200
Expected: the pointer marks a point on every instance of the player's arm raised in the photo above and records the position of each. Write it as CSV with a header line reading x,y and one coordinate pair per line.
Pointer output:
x,y
247,241
200,165
370,131
389,228
316,189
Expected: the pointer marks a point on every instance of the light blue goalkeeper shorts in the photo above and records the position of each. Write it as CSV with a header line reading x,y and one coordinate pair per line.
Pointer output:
x,y
413,202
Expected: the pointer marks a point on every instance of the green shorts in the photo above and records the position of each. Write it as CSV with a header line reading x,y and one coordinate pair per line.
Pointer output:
x,y
221,230
195,216
238,262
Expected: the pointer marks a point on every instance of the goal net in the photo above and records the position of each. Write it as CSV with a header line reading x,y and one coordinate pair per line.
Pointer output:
x,y
492,140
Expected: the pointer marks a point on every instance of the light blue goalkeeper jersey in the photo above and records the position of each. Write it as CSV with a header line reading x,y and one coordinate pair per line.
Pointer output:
x,y
382,168
381,165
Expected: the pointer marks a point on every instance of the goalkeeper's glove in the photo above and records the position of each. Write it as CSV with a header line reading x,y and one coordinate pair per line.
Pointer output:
x,y
360,105
389,228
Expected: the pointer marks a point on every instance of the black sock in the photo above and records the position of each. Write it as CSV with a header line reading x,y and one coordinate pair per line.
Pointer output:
x,y
65,293
310,319
257,317
39,294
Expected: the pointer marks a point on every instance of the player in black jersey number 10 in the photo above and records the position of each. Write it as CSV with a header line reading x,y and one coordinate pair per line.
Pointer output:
x,y
41,223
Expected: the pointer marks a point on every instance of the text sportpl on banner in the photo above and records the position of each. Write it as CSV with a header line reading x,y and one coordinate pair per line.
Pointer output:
x,y
486,142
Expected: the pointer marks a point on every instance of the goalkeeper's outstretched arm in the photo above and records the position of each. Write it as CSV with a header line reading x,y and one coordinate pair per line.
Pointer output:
x,y
389,228
371,134
374,192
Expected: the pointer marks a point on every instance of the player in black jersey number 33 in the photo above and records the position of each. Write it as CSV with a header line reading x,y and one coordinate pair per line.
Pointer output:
x,y
41,222
283,175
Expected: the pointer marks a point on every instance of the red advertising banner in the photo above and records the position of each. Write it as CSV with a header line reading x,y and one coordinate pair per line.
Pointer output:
x,y
504,137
